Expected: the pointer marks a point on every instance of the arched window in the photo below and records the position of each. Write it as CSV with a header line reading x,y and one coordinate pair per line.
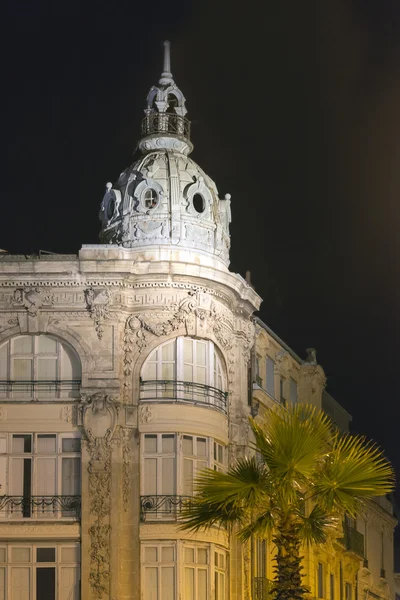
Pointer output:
x,y
150,198
38,367
185,369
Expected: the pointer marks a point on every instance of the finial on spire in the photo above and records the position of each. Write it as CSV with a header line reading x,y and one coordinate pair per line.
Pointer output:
x,y
166,75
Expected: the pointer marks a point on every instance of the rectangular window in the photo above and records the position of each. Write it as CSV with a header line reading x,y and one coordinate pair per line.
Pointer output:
x,y
320,580
196,573
220,575
159,572
270,383
46,583
292,391
194,460
282,397
348,591
219,457
261,552
332,586
159,474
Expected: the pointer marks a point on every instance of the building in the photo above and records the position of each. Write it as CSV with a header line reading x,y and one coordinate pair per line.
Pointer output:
x,y
123,372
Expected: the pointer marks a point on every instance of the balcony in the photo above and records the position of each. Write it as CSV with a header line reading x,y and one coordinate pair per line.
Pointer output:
x,y
183,391
40,508
25,390
161,508
262,588
166,123
353,540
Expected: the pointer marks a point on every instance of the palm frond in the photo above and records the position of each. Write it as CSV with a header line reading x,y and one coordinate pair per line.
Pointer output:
x,y
313,528
355,469
292,441
261,527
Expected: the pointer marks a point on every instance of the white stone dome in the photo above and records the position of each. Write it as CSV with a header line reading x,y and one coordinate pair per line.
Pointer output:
x,y
165,199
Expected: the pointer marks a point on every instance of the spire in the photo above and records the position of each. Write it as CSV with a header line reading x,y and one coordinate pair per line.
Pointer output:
x,y
166,76
165,124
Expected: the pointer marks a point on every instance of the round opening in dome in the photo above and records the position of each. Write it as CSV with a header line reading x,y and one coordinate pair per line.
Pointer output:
x,y
150,198
198,203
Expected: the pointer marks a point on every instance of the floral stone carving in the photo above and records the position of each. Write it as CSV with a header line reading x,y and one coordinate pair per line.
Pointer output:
x,y
98,419
33,299
98,302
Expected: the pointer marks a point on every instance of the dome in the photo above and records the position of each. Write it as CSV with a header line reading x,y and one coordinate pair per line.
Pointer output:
x,y
165,198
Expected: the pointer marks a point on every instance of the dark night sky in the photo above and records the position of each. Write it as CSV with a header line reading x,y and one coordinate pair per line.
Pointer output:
x,y
295,111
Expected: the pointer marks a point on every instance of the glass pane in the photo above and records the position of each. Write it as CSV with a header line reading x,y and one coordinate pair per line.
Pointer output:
x,y
3,445
187,373
168,476
187,477
150,554
168,443
70,555
167,583
46,478
167,371
150,476
151,584
167,554
202,583
168,351
2,555
70,583
46,345
201,353
22,443
70,364
150,372
201,447
20,583
47,369
46,444
71,477
201,375
189,555
22,369
187,445
46,555
71,444
22,345
21,554
187,351
189,584
150,443
202,556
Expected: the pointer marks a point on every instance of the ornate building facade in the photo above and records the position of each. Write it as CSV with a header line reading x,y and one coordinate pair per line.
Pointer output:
x,y
126,370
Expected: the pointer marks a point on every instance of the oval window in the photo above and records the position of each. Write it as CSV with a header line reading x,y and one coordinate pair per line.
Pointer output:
x,y
150,198
198,203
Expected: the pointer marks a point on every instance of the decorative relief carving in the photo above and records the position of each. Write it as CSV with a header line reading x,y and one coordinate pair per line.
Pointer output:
x,y
98,419
283,362
32,298
145,415
125,433
98,302
7,321
68,413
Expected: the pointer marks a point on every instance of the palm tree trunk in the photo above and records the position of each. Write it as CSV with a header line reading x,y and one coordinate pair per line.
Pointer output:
x,y
287,583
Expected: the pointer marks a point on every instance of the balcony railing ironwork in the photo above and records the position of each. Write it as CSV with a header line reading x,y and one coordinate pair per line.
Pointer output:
x,y
262,588
39,389
183,391
353,540
160,508
167,123
40,507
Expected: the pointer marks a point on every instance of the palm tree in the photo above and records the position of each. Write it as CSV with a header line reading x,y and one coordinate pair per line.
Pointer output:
x,y
301,459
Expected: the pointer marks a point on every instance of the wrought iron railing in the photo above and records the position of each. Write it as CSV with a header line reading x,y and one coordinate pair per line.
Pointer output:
x,y
262,588
183,391
167,123
18,389
40,507
160,508
353,540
